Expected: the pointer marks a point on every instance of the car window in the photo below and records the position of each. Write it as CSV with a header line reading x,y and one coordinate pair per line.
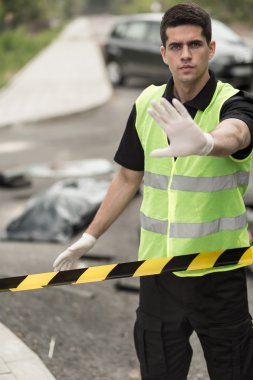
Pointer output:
x,y
137,30
119,30
223,32
153,35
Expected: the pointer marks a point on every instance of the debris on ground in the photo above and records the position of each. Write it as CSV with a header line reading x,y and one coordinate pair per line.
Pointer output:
x,y
126,286
14,181
60,212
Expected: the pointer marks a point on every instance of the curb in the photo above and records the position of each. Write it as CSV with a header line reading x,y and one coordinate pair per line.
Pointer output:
x,y
17,361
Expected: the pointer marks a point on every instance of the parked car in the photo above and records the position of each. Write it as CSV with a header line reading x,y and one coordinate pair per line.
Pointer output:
x,y
133,50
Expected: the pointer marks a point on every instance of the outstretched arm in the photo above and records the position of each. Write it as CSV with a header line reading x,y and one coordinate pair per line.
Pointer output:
x,y
230,136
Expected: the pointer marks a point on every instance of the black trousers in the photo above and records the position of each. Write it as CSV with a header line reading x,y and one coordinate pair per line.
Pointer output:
x,y
214,305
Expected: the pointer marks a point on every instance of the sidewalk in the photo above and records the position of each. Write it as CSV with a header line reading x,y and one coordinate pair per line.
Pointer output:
x,y
67,77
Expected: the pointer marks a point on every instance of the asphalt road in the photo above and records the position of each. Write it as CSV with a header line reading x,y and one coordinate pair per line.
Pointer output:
x,y
91,324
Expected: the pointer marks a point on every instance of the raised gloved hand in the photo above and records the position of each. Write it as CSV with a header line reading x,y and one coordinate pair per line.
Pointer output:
x,y
68,259
185,137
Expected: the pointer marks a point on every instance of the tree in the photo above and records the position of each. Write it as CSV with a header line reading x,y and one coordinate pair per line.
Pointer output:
x,y
30,11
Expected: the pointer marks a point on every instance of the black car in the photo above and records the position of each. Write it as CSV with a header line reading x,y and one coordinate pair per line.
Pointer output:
x,y
133,50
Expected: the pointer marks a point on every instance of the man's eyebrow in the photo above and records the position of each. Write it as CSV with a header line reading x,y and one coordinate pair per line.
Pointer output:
x,y
196,40
187,42
175,43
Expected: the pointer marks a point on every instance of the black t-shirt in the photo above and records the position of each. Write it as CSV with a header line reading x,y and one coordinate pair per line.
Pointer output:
x,y
240,106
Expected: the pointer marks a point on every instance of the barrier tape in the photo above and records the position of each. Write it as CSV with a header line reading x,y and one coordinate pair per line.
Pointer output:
x,y
203,260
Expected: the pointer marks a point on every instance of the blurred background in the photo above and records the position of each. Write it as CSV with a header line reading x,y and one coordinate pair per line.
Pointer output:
x,y
65,96
30,25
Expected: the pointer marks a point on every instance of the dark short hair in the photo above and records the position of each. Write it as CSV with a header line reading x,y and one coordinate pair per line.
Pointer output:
x,y
186,14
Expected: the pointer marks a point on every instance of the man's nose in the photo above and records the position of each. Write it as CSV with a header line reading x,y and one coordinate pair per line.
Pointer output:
x,y
186,53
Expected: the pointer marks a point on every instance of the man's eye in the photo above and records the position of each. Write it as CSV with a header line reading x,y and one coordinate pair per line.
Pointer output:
x,y
195,44
175,47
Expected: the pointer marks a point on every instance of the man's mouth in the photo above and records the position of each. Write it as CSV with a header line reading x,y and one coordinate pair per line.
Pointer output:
x,y
186,67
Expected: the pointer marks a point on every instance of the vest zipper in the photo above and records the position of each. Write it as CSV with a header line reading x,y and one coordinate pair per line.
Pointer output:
x,y
169,242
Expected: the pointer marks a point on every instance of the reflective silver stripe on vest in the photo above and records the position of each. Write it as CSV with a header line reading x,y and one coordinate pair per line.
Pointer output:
x,y
210,183
154,225
193,230
156,181
204,184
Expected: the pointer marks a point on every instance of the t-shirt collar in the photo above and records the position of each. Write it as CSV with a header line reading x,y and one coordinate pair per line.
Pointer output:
x,y
204,97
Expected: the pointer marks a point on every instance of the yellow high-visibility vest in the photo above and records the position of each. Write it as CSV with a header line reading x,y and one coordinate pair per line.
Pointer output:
x,y
191,204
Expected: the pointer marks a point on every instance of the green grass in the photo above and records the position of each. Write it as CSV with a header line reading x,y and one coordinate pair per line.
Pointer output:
x,y
19,46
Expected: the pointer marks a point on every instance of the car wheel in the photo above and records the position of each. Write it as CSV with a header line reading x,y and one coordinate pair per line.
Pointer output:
x,y
115,73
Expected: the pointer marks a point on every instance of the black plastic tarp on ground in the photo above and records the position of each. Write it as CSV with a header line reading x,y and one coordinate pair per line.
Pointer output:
x,y
58,213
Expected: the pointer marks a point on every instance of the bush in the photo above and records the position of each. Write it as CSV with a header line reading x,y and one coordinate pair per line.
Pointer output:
x,y
18,46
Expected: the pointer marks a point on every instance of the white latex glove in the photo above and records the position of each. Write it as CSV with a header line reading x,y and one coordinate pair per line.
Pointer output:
x,y
68,259
185,137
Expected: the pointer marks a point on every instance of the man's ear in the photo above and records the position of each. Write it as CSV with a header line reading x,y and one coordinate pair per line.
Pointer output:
x,y
212,48
163,53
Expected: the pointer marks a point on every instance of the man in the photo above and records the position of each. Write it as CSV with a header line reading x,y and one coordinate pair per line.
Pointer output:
x,y
193,189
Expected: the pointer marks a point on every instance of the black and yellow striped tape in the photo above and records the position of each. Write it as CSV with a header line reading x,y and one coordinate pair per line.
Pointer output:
x,y
203,260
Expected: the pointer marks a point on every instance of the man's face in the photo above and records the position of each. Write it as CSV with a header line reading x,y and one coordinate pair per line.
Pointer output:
x,y
187,53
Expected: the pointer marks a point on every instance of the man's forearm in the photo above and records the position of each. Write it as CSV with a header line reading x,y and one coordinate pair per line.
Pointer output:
x,y
230,136
122,189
